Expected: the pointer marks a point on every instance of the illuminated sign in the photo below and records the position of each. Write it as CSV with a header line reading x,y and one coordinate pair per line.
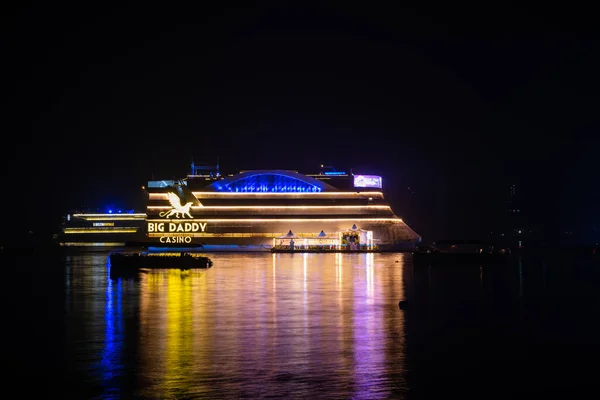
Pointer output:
x,y
367,181
177,209
175,227
104,224
176,239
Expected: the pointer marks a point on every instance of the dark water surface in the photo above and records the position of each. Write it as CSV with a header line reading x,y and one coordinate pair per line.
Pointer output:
x,y
301,326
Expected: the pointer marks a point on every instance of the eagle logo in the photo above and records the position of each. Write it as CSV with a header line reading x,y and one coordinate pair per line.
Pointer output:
x,y
178,209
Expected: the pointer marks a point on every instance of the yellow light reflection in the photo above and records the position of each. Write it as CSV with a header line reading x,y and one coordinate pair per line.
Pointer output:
x,y
274,277
305,265
369,261
172,321
338,269
179,327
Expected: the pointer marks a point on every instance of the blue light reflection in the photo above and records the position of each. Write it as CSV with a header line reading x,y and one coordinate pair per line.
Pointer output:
x,y
111,363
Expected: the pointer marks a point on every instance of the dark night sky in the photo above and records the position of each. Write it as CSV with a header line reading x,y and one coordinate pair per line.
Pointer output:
x,y
456,103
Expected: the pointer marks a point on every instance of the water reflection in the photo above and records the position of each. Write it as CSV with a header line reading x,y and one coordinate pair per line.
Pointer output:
x,y
110,364
171,300
96,325
286,325
311,325
520,276
323,326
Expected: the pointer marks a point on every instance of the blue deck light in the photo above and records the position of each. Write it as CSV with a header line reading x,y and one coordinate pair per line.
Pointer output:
x,y
269,181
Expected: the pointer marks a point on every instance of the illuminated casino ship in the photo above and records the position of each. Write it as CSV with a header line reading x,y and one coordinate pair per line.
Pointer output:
x,y
102,229
265,209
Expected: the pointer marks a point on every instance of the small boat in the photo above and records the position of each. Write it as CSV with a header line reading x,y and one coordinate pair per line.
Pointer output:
x,y
458,252
183,260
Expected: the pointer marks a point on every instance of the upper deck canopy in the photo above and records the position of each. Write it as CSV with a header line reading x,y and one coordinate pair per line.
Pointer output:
x,y
276,181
